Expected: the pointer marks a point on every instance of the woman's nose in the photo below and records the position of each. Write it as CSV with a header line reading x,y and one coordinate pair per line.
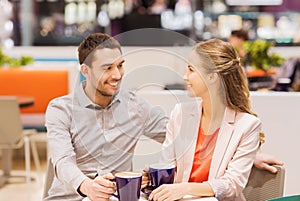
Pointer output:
x,y
185,77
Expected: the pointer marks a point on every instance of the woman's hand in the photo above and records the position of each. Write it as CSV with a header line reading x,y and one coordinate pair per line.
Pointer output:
x,y
168,192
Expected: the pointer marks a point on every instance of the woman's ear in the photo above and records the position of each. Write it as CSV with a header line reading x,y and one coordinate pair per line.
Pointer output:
x,y
213,77
84,70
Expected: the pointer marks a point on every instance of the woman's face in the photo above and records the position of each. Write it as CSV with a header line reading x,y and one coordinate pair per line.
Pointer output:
x,y
195,77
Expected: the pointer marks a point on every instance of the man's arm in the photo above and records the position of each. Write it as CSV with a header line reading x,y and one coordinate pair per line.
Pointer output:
x,y
60,145
155,121
265,162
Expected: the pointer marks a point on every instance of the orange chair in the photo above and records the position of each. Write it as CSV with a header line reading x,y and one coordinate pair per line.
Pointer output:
x,y
43,85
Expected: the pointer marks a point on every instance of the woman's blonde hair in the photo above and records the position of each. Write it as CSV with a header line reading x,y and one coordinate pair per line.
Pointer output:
x,y
220,57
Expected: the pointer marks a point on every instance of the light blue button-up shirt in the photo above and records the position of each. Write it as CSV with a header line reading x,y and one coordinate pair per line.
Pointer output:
x,y
85,138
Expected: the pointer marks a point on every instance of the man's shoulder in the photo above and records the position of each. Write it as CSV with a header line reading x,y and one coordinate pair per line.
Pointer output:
x,y
129,95
59,107
134,100
62,100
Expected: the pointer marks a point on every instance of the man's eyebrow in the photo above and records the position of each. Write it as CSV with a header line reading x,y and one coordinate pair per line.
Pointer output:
x,y
121,62
109,64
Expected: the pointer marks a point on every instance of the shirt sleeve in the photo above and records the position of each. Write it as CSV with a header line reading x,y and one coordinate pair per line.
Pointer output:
x,y
61,149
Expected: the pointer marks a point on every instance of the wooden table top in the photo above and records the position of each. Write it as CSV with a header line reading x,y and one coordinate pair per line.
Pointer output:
x,y
25,101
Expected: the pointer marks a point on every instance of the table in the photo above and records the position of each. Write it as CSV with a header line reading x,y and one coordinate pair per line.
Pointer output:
x,y
25,101
186,198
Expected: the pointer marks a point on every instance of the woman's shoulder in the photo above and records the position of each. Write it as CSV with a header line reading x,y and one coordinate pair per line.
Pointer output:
x,y
247,116
245,119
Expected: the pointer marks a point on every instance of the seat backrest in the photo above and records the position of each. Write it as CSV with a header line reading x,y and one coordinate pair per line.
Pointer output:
x,y
264,185
10,121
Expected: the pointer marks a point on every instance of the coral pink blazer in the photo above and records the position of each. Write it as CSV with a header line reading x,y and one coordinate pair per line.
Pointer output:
x,y
234,153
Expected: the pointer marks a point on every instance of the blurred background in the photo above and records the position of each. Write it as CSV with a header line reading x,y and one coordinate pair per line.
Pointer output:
x,y
66,22
39,39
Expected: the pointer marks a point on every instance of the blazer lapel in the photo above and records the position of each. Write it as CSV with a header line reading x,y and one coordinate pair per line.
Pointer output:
x,y
222,143
188,137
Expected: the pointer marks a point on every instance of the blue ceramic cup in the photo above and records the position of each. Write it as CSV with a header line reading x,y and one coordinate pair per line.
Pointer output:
x,y
161,173
128,186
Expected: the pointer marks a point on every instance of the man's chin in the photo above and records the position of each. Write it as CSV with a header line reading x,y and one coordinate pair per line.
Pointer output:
x,y
111,93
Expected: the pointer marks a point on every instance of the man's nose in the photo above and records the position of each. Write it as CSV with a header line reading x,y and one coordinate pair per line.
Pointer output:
x,y
117,74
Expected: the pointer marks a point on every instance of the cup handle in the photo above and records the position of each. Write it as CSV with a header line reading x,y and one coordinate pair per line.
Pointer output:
x,y
114,180
147,172
147,190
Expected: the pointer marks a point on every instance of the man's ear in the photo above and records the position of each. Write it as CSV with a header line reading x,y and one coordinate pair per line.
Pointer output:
x,y
84,70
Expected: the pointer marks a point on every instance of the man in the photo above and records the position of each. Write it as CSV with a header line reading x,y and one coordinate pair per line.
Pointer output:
x,y
94,130
237,38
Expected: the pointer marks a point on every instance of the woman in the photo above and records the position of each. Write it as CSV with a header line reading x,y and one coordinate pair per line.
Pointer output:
x,y
213,141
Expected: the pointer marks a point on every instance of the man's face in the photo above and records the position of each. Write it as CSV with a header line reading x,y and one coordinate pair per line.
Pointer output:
x,y
106,71
235,41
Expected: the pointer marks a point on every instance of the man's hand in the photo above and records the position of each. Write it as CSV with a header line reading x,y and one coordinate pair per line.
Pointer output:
x,y
99,189
265,162
145,178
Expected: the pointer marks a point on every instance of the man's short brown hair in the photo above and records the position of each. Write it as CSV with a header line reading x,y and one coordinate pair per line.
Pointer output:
x,y
243,34
92,42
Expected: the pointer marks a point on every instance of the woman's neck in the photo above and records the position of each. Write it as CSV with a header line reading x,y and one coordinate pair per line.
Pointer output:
x,y
212,114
